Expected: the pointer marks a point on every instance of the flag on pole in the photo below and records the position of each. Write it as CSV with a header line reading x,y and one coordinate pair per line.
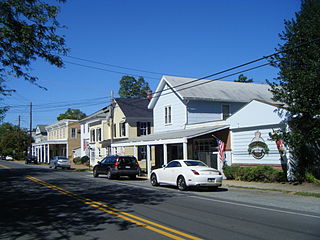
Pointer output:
x,y
221,149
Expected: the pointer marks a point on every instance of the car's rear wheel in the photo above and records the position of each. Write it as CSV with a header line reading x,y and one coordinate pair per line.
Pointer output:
x,y
181,183
154,180
95,173
109,175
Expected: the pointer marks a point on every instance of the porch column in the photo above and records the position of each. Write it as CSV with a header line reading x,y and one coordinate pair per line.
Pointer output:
x,y
165,154
48,152
148,161
135,152
185,149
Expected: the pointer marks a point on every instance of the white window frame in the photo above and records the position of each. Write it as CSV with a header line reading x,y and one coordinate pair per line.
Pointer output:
x,y
168,115
222,113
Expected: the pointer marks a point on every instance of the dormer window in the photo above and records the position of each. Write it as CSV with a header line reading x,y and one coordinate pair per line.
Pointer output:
x,y
225,111
167,115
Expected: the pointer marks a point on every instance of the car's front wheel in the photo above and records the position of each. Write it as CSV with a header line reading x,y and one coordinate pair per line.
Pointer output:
x,y
95,173
153,180
181,183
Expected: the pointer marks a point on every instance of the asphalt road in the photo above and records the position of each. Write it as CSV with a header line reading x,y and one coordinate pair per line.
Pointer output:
x,y
41,203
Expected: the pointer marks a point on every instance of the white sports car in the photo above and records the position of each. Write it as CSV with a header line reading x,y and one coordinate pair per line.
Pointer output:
x,y
186,173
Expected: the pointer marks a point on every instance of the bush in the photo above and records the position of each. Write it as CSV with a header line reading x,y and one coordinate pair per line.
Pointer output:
x,y
257,174
77,160
85,160
311,179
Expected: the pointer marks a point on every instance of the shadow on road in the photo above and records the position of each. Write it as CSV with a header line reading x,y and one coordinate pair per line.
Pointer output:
x,y
29,210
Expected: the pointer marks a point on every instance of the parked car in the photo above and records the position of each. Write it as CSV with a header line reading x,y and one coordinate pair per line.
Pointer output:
x,y
9,158
59,161
186,173
31,159
116,166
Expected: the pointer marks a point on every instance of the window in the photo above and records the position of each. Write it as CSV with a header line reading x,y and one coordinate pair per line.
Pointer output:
x,y
122,128
73,133
173,164
225,111
167,115
143,128
114,130
92,135
98,135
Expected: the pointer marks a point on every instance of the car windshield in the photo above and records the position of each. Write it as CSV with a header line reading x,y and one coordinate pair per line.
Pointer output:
x,y
127,160
195,163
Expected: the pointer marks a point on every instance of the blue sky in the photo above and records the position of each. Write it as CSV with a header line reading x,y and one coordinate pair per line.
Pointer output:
x,y
191,38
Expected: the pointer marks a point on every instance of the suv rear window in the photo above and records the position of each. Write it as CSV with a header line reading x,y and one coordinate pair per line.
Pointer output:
x,y
127,160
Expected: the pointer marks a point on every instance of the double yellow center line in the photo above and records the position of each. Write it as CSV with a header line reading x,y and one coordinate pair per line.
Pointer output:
x,y
155,227
3,166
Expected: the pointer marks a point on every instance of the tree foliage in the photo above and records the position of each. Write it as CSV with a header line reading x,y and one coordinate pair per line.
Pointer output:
x,y
298,85
72,114
27,33
131,87
13,141
244,79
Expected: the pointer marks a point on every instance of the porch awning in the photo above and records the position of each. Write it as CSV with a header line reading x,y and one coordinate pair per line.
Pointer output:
x,y
170,137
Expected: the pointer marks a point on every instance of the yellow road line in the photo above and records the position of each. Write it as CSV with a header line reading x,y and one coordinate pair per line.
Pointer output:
x,y
123,215
3,166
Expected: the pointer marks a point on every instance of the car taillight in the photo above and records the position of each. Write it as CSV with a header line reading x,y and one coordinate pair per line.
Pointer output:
x,y
195,172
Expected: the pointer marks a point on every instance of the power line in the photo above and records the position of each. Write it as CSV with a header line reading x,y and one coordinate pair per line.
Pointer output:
x,y
116,66
107,70
238,66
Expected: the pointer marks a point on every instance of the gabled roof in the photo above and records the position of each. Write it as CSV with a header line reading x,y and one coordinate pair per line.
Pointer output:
x,y
42,128
135,107
209,90
102,113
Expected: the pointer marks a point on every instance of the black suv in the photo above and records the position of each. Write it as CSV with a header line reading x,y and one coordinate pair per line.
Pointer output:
x,y
116,166
31,159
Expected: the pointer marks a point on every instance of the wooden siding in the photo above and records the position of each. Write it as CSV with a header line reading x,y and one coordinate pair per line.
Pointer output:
x,y
178,112
240,143
203,111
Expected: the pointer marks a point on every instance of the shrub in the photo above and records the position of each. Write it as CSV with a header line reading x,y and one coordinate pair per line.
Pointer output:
x,y
257,174
311,179
85,160
77,160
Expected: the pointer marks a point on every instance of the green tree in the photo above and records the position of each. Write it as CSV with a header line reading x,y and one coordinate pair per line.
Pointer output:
x,y
298,85
244,79
131,87
72,114
27,33
13,141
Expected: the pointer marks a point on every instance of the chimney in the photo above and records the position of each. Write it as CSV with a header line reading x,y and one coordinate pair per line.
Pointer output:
x,y
149,95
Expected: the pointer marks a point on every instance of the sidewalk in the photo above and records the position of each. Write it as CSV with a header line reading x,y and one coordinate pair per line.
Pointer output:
x,y
285,187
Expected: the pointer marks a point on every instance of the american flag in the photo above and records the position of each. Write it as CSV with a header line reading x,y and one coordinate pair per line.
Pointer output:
x,y
221,149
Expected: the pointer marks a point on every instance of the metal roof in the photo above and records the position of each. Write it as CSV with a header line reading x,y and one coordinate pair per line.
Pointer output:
x,y
211,90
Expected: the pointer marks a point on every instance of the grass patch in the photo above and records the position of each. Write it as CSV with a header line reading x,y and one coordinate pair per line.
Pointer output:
x,y
305,194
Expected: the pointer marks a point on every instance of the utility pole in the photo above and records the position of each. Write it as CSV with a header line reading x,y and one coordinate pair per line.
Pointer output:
x,y
30,151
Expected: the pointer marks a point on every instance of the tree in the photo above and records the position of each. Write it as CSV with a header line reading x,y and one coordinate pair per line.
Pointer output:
x,y
130,87
298,85
72,114
13,141
27,32
244,79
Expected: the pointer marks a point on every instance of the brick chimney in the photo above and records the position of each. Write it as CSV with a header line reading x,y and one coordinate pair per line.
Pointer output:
x,y
149,95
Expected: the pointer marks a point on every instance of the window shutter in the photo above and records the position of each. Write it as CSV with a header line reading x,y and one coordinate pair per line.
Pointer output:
x,y
138,129
149,127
